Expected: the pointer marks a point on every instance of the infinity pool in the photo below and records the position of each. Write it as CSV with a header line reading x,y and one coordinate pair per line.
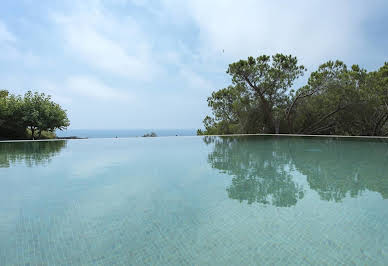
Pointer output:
x,y
194,201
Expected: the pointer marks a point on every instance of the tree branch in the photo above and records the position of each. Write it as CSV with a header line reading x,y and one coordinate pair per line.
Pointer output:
x,y
323,118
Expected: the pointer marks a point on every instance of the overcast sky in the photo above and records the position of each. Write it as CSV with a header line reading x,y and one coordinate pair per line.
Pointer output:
x,y
124,64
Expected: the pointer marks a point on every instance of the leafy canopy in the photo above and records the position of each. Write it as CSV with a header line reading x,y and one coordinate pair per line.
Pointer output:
x,y
335,100
32,115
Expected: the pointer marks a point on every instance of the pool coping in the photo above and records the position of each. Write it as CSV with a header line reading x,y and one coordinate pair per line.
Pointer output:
x,y
226,135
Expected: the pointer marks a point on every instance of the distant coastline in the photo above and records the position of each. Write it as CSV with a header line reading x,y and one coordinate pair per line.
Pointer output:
x,y
122,133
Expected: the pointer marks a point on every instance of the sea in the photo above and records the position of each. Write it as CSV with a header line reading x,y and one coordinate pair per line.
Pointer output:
x,y
123,133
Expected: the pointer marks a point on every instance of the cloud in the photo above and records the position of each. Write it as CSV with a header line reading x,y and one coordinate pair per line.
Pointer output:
x,y
10,51
313,30
90,101
166,57
193,80
5,34
118,47
90,87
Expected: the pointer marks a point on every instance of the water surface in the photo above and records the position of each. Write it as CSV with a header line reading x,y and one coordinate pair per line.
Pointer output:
x,y
194,201
123,133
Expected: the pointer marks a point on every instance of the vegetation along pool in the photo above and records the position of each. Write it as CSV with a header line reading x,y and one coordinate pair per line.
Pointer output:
x,y
194,200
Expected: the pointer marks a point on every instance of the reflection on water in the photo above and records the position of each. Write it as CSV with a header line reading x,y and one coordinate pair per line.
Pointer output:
x,y
163,201
262,168
342,168
31,153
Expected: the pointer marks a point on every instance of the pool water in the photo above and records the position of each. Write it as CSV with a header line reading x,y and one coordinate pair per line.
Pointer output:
x,y
249,200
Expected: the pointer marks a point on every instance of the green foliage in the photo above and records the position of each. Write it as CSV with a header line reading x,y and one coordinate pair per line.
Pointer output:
x,y
152,134
343,101
267,79
234,109
335,100
43,134
3,93
11,123
35,112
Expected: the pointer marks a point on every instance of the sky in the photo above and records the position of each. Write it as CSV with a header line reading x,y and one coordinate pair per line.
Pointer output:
x,y
130,64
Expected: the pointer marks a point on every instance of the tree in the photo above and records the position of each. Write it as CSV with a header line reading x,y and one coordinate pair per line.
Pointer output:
x,y
234,111
32,115
152,134
320,106
3,93
40,114
268,79
342,101
336,99
11,124
376,93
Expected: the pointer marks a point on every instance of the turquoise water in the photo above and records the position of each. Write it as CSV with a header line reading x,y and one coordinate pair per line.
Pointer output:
x,y
194,201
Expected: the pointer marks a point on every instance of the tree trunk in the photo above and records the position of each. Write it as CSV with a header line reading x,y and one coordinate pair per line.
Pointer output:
x,y
268,117
32,132
277,126
312,127
380,123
